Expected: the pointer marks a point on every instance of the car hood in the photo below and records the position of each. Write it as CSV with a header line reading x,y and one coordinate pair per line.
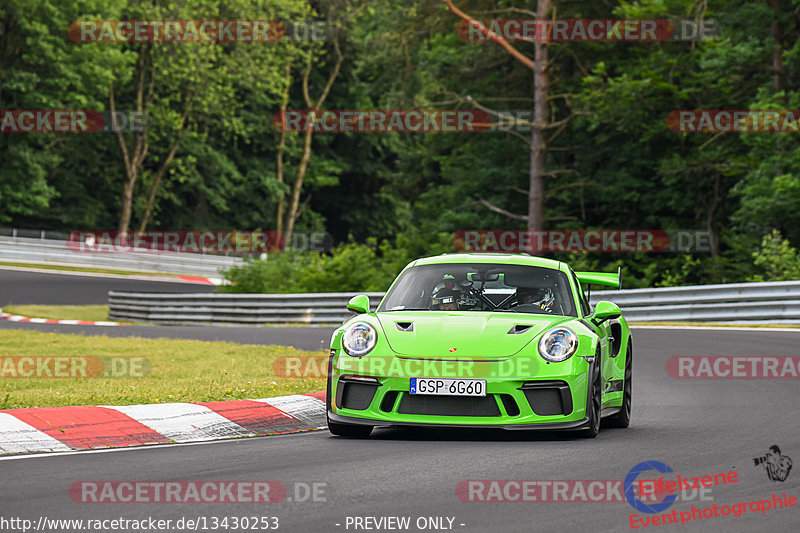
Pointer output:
x,y
462,335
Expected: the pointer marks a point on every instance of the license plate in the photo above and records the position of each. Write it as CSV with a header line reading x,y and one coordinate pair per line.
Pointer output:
x,y
448,387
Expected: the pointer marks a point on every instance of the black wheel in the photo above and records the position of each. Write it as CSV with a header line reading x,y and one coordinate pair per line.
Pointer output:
x,y
623,418
349,430
596,400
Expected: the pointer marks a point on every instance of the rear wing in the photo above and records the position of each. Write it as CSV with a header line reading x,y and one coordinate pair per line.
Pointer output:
x,y
601,278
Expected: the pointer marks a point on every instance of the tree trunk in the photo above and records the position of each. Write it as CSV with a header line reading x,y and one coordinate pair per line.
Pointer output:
x,y
298,186
163,168
713,242
777,50
540,119
127,203
282,147
132,162
293,213
538,144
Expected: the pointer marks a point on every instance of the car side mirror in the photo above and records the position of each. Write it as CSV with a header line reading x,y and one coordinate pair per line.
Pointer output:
x,y
359,304
605,311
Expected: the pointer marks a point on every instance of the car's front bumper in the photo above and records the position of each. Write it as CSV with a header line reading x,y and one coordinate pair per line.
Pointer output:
x,y
553,399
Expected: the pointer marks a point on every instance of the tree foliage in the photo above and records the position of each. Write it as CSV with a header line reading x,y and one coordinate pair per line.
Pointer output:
x,y
612,161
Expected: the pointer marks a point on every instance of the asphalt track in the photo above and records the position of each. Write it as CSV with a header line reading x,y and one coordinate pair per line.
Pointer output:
x,y
23,287
696,426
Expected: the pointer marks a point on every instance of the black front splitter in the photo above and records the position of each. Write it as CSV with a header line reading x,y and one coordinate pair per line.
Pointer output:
x,y
548,426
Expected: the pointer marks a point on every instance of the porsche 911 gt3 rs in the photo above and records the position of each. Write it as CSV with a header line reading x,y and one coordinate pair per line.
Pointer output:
x,y
482,341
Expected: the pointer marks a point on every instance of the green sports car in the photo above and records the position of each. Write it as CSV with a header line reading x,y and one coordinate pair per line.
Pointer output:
x,y
482,341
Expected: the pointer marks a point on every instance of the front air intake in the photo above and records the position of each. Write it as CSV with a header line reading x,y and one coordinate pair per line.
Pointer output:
x,y
415,404
548,398
356,395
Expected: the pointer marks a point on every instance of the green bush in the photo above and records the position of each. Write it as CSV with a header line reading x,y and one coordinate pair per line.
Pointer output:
x,y
777,259
350,267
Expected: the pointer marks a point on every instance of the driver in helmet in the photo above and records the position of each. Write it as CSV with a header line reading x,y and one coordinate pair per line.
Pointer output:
x,y
445,299
541,297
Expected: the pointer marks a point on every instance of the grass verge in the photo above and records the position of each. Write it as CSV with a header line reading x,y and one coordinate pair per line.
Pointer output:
x,y
94,313
180,371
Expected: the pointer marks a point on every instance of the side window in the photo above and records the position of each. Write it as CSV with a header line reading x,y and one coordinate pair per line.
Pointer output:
x,y
586,309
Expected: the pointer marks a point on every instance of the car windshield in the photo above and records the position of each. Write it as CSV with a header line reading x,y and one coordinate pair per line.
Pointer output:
x,y
481,287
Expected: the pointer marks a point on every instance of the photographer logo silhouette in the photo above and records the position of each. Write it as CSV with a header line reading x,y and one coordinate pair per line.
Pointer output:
x,y
777,466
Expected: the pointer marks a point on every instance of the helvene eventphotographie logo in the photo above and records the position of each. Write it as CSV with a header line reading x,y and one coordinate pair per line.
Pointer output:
x,y
776,465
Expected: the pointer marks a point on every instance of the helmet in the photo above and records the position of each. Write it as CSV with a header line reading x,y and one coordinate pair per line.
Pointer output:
x,y
541,297
445,299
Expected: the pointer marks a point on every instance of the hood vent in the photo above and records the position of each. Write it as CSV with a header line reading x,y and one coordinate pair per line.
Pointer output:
x,y
519,328
404,326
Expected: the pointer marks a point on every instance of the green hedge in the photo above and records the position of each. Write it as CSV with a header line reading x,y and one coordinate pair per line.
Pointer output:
x,y
349,267
352,267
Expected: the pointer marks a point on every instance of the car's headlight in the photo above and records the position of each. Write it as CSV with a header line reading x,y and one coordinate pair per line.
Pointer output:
x,y
558,345
359,339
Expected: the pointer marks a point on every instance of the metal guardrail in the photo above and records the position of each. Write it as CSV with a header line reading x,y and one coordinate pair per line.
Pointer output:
x,y
231,309
56,252
33,234
773,302
777,302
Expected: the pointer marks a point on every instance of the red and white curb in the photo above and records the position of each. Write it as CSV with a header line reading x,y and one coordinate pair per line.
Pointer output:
x,y
206,281
61,429
20,318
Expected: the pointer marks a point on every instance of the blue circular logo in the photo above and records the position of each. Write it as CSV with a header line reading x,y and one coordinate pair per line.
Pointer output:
x,y
630,481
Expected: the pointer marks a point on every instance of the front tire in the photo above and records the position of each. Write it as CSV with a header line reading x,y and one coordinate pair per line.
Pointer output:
x,y
352,431
623,418
596,402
